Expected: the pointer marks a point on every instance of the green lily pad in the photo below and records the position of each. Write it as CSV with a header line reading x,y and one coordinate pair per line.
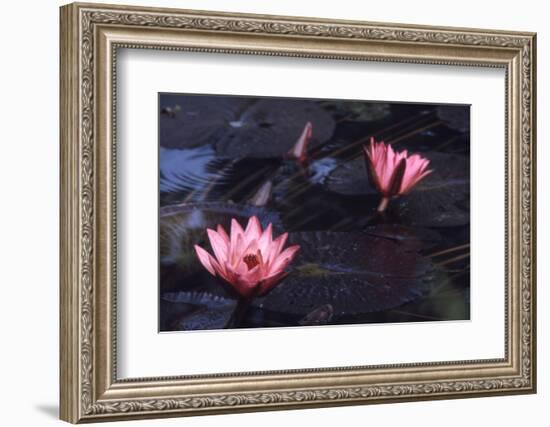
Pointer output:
x,y
356,273
242,126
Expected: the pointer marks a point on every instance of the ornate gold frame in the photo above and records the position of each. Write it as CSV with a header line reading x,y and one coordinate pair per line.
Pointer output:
x,y
90,36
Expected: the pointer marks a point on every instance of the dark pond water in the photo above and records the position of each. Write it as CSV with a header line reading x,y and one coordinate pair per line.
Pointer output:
x,y
226,157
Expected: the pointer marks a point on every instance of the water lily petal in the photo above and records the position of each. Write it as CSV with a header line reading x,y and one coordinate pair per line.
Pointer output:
x,y
265,240
416,166
219,246
236,231
246,284
223,234
251,249
397,177
276,248
244,288
252,276
253,229
284,259
388,168
270,281
415,181
371,170
206,259
236,252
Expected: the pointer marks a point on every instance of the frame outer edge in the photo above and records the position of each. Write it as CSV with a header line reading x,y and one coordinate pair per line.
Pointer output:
x,y
77,226
533,207
68,226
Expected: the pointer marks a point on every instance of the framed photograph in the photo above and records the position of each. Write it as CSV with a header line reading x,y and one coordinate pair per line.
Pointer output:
x,y
266,212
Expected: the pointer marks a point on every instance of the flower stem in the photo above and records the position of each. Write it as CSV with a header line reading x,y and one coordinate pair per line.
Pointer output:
x,y
383,204
240,313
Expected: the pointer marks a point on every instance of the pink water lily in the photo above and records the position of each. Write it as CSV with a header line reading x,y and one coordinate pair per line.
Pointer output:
x,y
393,173
249,260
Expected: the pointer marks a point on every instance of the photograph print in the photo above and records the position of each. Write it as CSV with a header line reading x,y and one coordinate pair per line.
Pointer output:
x,y
278,212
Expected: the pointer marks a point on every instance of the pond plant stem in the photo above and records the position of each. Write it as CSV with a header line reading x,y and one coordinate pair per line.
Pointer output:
x,y
383,204
239,314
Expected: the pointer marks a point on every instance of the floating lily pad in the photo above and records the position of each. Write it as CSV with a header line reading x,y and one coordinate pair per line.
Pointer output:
x,y
414,238
448,170
436,209
199,120
442,199
355,273
184,311
350,179
242,127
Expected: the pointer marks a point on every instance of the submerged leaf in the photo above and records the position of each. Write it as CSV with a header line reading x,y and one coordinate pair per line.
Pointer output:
x,y
353,272
243,126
